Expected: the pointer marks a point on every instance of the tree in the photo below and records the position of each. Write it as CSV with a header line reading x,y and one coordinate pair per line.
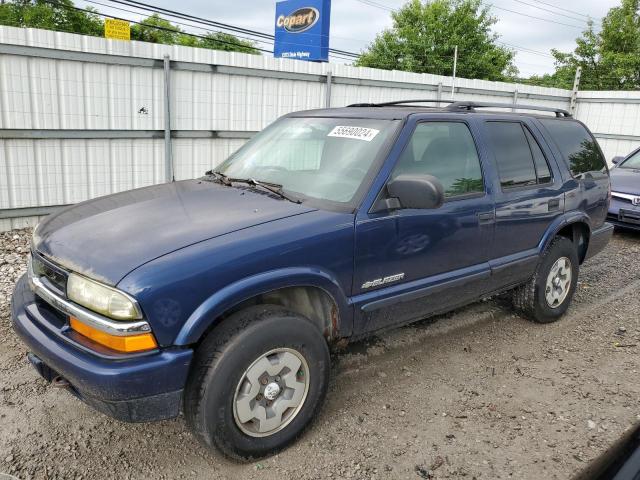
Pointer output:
x,y
423,37
610,59
154,29
60,17
227,42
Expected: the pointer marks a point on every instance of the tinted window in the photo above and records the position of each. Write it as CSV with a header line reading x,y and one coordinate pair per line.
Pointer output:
x,y
512,152
542,167
445,150
577,146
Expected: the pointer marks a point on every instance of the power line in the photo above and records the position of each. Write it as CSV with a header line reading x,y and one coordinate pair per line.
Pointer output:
x,y
268,42
371,3
551,11
174,21
156,27
335,55
491,5
525,49
174,13
560,8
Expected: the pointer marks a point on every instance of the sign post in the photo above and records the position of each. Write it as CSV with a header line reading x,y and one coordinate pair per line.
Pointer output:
x,y
117,29
302,30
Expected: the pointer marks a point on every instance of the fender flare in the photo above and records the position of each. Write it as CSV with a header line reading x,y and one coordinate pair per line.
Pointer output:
x,y
210,310
559,223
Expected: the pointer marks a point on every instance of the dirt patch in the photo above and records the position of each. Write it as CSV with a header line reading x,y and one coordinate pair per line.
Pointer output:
x,y
479,393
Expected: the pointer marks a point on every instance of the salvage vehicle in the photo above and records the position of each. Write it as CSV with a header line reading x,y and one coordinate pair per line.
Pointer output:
x,y
624,210
219,297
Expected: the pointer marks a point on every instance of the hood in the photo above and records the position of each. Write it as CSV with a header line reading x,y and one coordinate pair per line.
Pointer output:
x,y
108,237
625,180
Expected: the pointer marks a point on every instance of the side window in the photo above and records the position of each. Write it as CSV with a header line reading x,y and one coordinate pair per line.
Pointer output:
x,y
445,150
542,166
577,146
513,155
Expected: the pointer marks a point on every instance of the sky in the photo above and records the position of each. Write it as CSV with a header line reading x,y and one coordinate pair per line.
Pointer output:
x,y
355,23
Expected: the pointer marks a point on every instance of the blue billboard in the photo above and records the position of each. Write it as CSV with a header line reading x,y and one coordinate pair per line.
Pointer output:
x,y
302,29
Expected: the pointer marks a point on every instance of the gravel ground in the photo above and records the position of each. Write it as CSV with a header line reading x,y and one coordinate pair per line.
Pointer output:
x,y
479,393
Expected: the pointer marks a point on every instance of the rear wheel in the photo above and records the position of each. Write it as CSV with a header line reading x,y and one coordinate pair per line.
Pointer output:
x,y
546,297
256,382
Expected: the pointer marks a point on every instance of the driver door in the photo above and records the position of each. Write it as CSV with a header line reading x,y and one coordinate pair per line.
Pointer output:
x,y
410,263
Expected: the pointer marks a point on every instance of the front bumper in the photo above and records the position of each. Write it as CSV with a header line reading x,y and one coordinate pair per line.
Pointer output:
x,y
132,388
623,214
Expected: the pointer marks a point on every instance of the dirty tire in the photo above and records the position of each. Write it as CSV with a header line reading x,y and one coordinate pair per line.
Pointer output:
x,y
221,361
529,299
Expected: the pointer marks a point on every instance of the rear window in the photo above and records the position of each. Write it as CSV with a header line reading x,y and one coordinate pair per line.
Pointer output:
x,y
577,146
513,154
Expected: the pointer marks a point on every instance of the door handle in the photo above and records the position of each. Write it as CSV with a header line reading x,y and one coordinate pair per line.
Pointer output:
x,y
553,204
486,217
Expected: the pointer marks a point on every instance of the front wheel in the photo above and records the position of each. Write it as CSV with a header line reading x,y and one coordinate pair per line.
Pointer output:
x,y
546,297
256,382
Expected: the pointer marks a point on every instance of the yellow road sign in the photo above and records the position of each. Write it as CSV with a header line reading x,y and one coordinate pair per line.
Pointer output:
x,y
118,29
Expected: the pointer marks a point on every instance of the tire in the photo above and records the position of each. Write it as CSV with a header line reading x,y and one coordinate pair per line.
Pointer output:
x,y
531,298
231,353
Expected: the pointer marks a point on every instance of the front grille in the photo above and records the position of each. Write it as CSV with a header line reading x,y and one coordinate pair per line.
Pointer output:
x,y
622,199
55,277
629,216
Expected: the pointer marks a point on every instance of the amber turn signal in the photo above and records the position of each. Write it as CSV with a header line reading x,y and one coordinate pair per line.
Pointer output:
x,y
128,344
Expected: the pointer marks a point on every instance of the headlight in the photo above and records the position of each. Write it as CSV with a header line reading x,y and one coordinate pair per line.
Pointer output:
x,y
101,298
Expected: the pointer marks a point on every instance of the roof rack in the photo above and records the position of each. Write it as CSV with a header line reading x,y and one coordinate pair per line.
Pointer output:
x,y
471,106
398,102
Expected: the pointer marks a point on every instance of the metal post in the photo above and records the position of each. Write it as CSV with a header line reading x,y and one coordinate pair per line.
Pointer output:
x,y
439,97
168,155
327,100
455,66
515,100
574,92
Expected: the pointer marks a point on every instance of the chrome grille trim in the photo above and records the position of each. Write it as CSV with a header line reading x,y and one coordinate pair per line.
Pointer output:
x,y
112,327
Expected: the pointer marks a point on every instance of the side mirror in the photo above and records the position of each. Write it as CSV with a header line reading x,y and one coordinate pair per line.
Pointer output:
x,y
417,191
617,160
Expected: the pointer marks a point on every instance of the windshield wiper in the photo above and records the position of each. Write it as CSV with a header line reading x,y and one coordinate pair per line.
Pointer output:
x,y
221,177
272,187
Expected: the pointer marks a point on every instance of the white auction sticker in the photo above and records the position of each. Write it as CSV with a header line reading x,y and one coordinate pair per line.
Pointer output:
x,y
359,133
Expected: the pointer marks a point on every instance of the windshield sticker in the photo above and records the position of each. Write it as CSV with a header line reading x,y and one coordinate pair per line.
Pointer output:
x,y
358,133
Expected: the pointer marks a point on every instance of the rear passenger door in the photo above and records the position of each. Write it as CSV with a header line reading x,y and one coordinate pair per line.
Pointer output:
x,y
588,188
528,197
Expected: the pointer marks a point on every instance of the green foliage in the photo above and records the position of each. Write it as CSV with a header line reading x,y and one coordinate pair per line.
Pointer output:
x,y
62,17
39,14
423,37
465,185
154,29
587,159
224,41
610,59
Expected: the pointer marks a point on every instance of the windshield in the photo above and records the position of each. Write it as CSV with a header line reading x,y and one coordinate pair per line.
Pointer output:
x,y
631,162
321,158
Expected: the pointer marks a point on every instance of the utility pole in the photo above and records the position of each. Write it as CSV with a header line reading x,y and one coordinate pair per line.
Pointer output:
x,y
168,150
455,66
574,92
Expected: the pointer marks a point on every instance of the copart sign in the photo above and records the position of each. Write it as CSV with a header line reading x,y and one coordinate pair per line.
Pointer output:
x,y
302,29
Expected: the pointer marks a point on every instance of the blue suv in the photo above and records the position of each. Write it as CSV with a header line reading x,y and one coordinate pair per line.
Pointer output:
x,y
219,297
